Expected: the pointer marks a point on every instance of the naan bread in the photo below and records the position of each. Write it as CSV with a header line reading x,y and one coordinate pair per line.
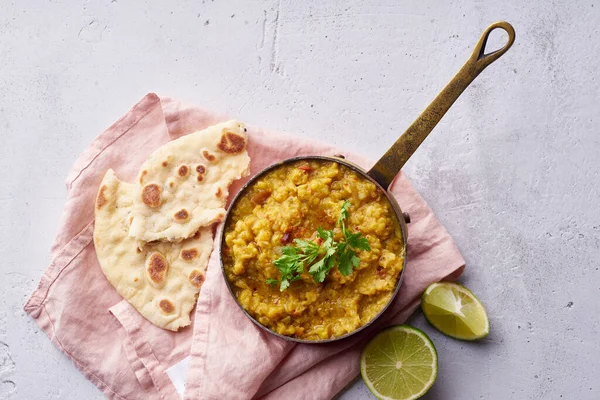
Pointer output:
x,y
184,184
161,280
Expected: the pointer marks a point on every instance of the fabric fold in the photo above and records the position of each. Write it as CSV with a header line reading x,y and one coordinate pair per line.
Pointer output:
x,y
139,353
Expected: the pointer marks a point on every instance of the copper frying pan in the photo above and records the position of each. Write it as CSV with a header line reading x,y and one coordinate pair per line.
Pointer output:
x,y
387,167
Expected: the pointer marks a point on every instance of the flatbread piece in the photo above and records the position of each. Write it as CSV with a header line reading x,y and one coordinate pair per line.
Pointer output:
x,y
184,184
161,280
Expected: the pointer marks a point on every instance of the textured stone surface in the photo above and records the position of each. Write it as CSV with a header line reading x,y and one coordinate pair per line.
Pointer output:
x,y
512,171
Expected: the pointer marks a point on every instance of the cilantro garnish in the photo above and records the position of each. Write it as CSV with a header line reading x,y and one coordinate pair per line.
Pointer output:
x,y
321,258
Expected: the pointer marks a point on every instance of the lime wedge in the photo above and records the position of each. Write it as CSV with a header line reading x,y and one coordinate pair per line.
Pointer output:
x,y
400,363
455,311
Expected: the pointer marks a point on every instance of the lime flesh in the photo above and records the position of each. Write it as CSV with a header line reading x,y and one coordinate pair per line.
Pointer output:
x,y
455,311
400,363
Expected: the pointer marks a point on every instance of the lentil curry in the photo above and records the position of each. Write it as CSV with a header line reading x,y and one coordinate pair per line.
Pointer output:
x,y
291,202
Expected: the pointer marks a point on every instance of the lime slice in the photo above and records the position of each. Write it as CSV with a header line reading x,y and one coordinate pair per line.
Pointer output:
x,y
400,363
455,311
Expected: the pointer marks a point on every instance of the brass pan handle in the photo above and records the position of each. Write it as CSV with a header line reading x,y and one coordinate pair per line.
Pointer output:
x,y
394,159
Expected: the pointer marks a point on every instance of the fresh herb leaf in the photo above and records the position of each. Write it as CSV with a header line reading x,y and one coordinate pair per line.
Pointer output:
x,y
343,216
289,251
357,241
341,254
305,244
317,267
347,258
310,249
290,265
345,265
344,212
325,235
321,268
329,265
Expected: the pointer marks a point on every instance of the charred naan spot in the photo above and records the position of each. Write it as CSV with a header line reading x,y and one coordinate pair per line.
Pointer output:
x,y
101,197
166,306
197,235
138,249
165,164
201,170
135,279
219,192
142,175
181,215
183,170
196,278
231,143
151,195
171,184
208,155
189,254
130,220
156,268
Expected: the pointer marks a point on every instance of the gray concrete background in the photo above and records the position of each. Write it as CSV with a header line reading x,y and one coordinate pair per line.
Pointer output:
x,y
512,171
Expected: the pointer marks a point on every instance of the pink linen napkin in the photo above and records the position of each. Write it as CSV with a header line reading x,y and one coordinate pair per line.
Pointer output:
x,y
126,356
232,357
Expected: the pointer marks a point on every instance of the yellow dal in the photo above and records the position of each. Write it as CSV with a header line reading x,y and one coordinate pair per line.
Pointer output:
x,y
288,203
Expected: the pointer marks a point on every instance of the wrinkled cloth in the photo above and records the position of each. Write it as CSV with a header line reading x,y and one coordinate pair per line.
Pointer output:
x,y
84,316
126,356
